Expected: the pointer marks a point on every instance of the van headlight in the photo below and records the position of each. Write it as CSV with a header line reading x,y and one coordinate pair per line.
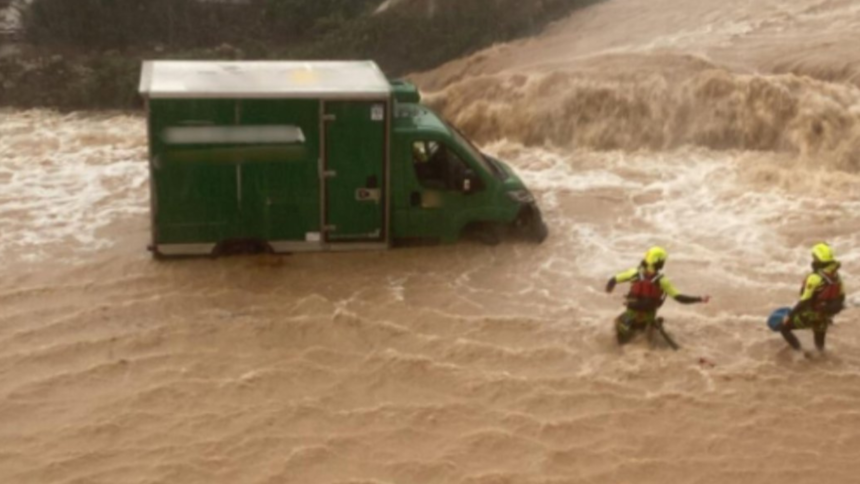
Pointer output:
x,y
521,196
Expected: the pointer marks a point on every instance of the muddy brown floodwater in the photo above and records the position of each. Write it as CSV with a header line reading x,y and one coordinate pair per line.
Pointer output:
x,y
727,131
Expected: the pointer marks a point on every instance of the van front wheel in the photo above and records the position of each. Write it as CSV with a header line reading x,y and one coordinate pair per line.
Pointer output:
x,y
539,231
490,234
530,224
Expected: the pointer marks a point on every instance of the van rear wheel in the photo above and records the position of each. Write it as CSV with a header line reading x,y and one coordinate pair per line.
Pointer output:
x,y
241,247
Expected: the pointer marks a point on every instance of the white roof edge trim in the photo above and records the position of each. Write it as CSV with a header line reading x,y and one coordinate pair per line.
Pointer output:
x,y
256,95
145,78
263,79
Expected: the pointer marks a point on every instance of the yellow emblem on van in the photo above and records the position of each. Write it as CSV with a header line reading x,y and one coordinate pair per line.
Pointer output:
x,y
304,76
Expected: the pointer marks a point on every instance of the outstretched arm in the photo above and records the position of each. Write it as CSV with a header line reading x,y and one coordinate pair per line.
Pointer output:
x,y
684,299
625,276
670,291
610,285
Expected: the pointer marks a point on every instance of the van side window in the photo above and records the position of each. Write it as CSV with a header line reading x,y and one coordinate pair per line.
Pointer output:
x,y
436,166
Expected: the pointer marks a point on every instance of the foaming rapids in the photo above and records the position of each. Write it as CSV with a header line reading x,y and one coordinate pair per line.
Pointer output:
x,y
65,177
711,108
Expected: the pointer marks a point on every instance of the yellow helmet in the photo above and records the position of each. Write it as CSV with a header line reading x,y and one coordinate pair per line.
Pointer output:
x,y
656,257
823,253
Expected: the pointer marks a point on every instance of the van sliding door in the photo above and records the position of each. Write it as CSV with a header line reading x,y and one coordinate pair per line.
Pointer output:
x,y
355,171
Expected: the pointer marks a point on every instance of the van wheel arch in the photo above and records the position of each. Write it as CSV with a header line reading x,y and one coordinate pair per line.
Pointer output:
x,y
530,224
488,233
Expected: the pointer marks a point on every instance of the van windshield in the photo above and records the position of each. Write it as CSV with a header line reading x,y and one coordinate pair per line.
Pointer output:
x,y
486,163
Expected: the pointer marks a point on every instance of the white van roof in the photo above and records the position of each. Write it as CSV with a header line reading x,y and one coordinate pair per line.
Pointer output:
x,y
263,79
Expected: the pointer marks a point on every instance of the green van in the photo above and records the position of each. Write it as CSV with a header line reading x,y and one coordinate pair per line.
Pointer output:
x,y
313,156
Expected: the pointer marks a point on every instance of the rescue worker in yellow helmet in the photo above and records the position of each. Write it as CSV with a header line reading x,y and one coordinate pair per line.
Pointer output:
x,y
821,298
648,290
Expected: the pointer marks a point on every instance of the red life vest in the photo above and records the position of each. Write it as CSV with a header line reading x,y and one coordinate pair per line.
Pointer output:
x,y
828,297
645,291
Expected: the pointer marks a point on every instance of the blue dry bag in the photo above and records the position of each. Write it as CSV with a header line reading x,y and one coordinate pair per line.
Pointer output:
x,y
774,322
